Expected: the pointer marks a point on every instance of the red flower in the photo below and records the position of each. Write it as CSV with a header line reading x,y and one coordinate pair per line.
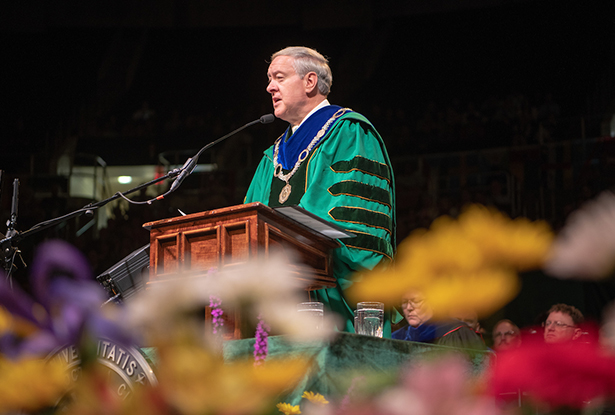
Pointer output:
x,y
567,374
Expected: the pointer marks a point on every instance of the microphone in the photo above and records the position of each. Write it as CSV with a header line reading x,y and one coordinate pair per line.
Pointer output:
x,y
266,119
190,164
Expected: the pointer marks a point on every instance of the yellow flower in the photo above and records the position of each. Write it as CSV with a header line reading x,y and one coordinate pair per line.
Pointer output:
x,y
466,264
519,243
484,291
196,381
315,398
31,384
288,409
16,325
5,320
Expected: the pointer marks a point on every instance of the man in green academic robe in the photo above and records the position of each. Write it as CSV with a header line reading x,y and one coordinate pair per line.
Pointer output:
x,y
332,162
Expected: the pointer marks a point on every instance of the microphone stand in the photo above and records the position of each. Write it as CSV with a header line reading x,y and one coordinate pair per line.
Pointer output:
x,y
8,245
9,252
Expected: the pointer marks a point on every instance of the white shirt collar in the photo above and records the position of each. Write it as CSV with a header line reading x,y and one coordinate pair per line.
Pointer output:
x,y
324,103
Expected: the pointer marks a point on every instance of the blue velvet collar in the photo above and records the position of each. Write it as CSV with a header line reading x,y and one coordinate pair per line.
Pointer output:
x,y
292,145
422,333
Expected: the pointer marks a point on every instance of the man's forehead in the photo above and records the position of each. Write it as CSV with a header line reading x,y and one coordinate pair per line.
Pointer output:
x,y
505,326
560,316
282,64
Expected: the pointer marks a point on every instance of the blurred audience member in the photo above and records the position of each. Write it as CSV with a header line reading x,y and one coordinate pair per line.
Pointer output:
x,y
423,328
506,335
562,324
471,319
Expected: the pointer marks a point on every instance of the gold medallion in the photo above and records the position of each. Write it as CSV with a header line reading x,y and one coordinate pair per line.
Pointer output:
x,y
284,194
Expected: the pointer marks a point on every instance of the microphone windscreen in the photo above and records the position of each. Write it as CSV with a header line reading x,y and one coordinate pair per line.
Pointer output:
x,y
267,118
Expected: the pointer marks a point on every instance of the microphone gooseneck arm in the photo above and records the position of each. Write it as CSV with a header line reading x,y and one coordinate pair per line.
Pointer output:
x,y
191,163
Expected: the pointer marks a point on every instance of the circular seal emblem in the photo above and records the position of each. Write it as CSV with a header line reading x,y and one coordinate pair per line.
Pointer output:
x,y
127,365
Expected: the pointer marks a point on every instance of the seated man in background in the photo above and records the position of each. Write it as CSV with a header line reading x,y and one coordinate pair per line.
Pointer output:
x,y
506,335
423,328
562,324
471,319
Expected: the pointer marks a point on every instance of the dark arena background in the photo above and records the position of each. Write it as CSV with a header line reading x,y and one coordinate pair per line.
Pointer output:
x,y
507,103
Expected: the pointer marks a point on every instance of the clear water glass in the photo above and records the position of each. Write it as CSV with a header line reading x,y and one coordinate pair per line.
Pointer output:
x,y
370,319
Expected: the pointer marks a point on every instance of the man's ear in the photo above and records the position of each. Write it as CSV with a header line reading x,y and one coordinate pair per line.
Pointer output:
x,y
310,81
577,334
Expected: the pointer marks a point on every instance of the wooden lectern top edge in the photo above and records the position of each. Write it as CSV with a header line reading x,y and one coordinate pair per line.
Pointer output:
x,y
211,213
292,224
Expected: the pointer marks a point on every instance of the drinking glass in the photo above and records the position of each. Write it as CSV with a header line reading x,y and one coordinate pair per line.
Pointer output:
x,y
370,318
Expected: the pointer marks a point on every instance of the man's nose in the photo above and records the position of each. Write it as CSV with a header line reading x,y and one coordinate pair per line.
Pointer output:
x,y
271,87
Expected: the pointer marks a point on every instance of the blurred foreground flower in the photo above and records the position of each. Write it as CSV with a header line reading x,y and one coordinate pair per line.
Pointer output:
x,y
264,287
443,385
31,384
64,309
192,377
466,264
585,247
558,375
195,381
192,381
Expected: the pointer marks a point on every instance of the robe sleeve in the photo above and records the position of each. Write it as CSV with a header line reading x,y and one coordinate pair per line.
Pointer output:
x,y
349,181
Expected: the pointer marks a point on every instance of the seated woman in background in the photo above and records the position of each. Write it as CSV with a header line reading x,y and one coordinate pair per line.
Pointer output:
x,y
423,328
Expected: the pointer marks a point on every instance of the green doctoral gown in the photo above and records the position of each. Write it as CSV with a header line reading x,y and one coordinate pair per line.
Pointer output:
x,y
346,179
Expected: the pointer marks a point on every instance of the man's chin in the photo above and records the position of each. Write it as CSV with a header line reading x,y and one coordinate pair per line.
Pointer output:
x,y
278,111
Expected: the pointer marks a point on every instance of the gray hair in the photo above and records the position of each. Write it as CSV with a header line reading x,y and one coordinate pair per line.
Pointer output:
x,y
307,60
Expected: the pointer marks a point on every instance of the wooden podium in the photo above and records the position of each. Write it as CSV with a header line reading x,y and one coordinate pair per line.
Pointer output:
x,y
192,245
225,237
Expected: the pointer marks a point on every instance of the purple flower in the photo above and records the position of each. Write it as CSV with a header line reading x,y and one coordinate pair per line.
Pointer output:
x,y
216,312
65,304
261,342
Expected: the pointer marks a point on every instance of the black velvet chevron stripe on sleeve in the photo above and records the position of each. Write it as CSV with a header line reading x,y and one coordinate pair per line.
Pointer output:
x,y
365,165
362,216
370,243
361,190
